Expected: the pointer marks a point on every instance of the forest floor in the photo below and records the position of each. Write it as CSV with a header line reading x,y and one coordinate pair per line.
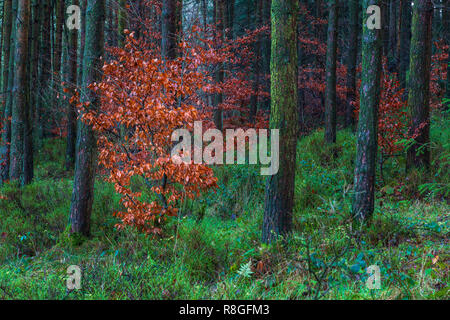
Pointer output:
x,y
213,250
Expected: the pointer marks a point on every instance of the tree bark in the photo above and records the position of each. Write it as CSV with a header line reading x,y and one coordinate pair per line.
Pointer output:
x,y
352,61
72,85
392,32
256,64
169,29
279,200
45,73
367,140
20,94
57,53
405,40
33,85
330,91
122,22
6,132
419,84
6,48
86,155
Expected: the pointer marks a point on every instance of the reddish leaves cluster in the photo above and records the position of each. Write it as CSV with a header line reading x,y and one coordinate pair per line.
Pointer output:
x,y
144,99
392,115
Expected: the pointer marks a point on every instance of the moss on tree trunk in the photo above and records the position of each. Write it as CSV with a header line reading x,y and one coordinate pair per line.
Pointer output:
x,y
284,73
419,84
367,142
86,155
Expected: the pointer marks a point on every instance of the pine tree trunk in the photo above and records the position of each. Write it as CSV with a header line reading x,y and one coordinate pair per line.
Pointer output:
x,y
219,76
82,41
20,94
57,54
256,65
265,48
279,200
86,155
405,39
45,73
8,88
419,84
6,39
122,21
72,79
33,85
169,28
367,141
351,61
392,31
330,72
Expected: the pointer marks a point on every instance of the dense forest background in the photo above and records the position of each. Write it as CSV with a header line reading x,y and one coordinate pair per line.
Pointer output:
x,y
92,91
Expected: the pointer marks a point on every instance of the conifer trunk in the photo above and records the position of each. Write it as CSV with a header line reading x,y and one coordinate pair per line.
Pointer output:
x,y
72,79
367,140
279,200
419,84
8,88
20,94
351,61
330,72
86,155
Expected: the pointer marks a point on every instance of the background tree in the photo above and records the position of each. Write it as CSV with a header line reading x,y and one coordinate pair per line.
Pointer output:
x,y
330,91
419,84
366,154
20,94
86,155
8,38
170,22
279,200
72,79
404,39
220,17
353,9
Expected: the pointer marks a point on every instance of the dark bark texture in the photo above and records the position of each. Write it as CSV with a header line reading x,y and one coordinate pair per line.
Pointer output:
x,y
367,142
419,84
86,155
330,72
279,200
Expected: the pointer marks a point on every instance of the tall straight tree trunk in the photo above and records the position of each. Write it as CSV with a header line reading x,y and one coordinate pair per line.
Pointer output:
x,y
33,85
20,94
279,200
82,41
220,14
446,32
256,64
229,21
392,30
405,39
169,29
265,48
367,141
330,72
45,73
122,21
86,155
57,53
351,61
72,79
6,40
8,88
419,84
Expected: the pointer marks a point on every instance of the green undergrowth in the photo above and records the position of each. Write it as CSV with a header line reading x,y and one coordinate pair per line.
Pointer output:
x,y
213,249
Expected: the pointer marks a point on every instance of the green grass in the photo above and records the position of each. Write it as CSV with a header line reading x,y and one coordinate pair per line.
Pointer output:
x,y
213,250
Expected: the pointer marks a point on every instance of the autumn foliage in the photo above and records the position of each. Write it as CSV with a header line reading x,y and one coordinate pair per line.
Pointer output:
x,y
144,99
